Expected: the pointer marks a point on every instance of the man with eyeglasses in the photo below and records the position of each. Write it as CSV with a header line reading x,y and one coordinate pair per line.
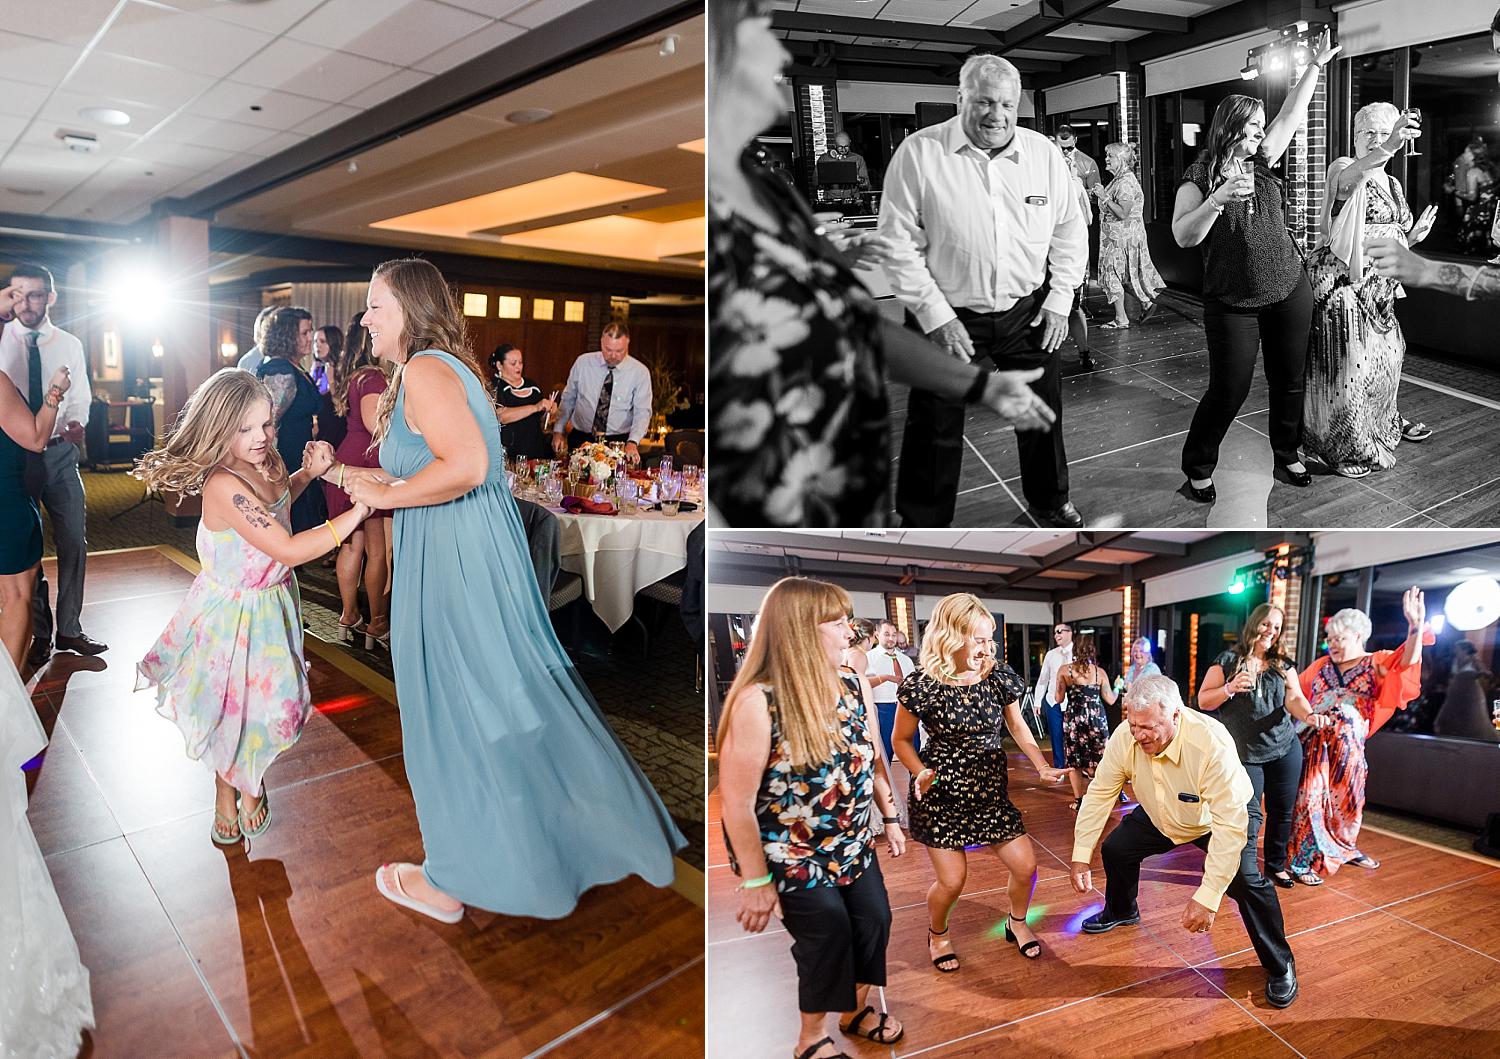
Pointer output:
x,y
31,349
1059,656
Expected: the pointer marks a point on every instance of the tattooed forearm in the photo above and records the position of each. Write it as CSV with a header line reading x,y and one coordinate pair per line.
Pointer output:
x,y
252,511
1476,282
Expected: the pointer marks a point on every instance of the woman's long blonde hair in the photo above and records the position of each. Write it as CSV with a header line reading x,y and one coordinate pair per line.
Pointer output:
x,y
786,653
431,321
204,431
943,655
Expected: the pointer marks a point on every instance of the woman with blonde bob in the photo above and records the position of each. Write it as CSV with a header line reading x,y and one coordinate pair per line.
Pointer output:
x,y
798,773
228,669
525,797
964,699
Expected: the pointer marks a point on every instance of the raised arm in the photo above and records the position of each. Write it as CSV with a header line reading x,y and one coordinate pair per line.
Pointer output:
x,y
1294,111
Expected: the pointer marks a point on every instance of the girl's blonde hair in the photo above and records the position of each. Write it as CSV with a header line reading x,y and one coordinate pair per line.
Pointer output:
x,y
943,655
431,321
204,431
786,653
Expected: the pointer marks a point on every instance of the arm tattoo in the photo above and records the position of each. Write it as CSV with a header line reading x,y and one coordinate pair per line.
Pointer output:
x,y
1474,282
1486,286
283,391
252,511
1454,279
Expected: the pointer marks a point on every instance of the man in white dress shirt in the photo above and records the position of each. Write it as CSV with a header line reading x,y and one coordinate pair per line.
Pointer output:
x,y
987,245
608,393
31,349
887,668
1055,659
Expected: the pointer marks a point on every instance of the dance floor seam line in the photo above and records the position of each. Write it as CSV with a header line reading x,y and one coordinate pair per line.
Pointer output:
x,y
1450,391
1458,496
1250,1011
613,1009
1000,481
1437,934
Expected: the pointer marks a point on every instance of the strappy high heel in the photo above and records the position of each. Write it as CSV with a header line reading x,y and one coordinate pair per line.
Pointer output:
x,y
347,633
1032,949
948,961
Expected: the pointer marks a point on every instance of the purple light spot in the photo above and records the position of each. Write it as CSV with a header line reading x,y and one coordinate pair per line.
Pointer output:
x,y
1075,925
35,763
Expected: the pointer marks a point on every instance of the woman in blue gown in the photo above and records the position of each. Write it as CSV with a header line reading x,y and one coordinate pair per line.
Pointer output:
x,y
524,795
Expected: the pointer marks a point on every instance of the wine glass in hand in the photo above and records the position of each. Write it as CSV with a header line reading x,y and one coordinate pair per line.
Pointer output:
x,y
1414,117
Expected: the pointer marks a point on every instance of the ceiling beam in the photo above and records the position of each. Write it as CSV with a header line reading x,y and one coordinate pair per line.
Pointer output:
x,y
1081,545
875,546
1207,550
1119,18
1053,15
591,30
846,25
851,579
870,53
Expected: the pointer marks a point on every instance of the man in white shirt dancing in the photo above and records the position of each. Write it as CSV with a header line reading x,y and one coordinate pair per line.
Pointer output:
x,y
987,245
887,668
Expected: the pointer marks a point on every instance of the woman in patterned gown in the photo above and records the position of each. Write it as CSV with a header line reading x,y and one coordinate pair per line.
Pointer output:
x,y
799,773
965,699
1360,690
1123,254
1083,688
1350,420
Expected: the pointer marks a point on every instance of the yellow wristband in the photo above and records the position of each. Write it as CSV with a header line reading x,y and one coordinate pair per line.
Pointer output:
x,y
336,541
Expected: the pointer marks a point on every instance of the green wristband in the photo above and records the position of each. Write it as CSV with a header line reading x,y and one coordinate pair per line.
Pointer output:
x,y
751,884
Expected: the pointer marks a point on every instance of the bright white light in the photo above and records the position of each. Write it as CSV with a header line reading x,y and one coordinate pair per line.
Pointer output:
x,y
1473,604
1161,639
228,350
1436,624
138,296
157,349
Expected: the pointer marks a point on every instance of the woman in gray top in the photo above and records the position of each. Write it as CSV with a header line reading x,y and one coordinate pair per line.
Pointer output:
x,y
1252,689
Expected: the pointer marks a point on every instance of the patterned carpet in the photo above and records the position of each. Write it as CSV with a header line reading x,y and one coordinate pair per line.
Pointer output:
x,y
649,701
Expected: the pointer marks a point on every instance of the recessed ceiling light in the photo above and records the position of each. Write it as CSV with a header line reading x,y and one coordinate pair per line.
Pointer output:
x,y
530,116
105,115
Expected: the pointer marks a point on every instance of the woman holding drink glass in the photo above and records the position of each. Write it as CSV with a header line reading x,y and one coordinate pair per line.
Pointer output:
x,y
1351,421
1255,291
1252,689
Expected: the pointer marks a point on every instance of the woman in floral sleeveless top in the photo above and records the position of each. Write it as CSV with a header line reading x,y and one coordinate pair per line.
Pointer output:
x,y
799,773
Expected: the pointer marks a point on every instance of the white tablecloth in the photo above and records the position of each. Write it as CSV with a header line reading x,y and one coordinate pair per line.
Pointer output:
x,y
618,555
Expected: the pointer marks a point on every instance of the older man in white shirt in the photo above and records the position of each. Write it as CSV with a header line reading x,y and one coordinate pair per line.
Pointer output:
x,y
31,349
987,245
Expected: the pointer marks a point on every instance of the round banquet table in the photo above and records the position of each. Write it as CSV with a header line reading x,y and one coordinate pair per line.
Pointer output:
x,y
618,555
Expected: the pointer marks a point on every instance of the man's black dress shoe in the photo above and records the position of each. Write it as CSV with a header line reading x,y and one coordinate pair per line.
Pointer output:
x,y
1207,495
1282,989
81,645
1065,516
1298,478
1099,923
1086,361
40,652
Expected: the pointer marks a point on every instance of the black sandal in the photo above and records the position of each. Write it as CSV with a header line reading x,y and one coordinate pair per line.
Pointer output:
x,y
1075,803
878,1034
1032,949
948,961
807,1054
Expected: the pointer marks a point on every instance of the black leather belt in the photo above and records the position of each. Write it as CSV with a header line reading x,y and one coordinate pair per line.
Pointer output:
x,y
56,439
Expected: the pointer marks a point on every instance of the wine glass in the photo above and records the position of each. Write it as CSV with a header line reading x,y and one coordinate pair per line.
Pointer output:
x,y
1247,167
1413,114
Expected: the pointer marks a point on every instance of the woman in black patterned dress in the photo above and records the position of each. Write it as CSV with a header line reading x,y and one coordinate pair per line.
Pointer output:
x,y
1083,688
964,699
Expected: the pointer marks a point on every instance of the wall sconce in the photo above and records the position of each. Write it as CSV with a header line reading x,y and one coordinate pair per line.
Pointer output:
x,y
229,350
157,349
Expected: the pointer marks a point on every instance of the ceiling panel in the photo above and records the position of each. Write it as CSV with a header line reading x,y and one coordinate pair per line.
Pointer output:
x,y
390,30
470,47
1080,31
270,16
156,85
1181,8
542,11
35,61
252,105
309,70
394,85
156,34
21,99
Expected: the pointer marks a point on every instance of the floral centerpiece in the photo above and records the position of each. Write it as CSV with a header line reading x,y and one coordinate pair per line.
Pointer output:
x,y
593,465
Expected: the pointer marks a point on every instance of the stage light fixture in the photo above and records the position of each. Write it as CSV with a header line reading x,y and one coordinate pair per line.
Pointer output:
x,y
1473,604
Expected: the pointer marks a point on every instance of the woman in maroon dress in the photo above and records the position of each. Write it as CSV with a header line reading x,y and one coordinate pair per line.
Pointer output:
x,y
356,383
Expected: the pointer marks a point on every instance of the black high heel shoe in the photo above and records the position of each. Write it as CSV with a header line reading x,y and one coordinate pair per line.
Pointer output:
x,y
1032,949
1207,495
946,962
1301,479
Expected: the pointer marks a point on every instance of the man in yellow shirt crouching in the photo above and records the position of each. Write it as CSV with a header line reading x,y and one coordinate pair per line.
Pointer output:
x,y
1183,768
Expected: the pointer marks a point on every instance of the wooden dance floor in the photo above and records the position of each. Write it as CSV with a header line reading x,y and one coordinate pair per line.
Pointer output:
x,y
1401,961
1125,422
288,950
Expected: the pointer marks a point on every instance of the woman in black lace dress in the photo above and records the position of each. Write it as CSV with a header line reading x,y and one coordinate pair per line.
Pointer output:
x,y
964,699
1083,688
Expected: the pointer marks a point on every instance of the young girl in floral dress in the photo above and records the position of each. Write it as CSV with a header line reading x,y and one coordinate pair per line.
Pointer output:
x,y
228,669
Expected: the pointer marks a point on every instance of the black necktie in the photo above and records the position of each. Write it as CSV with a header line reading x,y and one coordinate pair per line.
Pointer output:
x,y
33,373
601,410
34,471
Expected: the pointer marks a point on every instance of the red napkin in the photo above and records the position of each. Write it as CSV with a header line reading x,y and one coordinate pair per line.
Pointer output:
x,y
577,505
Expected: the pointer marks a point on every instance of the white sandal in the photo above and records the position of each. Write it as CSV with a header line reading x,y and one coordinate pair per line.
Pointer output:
x,y
398,895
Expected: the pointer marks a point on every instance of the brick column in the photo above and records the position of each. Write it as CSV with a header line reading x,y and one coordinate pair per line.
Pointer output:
x,y
1307,169
1128,124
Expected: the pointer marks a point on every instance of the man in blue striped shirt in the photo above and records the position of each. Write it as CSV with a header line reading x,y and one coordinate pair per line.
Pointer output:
x,y
608,394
